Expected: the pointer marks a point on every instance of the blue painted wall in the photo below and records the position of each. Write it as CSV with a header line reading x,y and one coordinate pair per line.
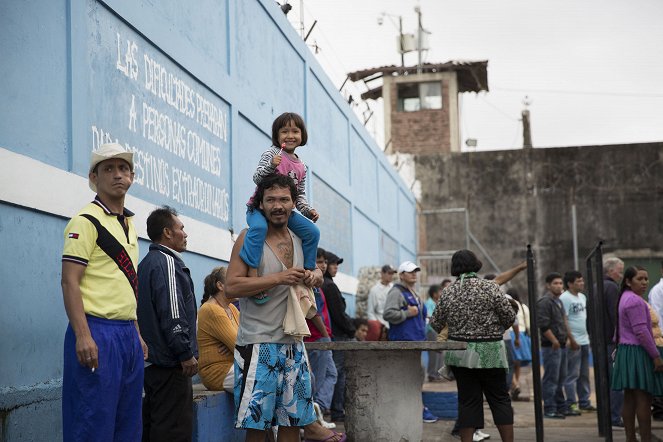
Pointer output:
x,y
192,88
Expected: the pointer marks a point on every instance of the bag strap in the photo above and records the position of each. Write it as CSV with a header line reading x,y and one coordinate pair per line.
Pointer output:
x,y
115,251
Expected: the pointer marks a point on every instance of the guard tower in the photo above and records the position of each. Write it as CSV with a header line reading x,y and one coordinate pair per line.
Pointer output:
x,y
421,112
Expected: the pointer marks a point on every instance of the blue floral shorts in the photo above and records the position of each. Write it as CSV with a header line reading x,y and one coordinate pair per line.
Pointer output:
x,y
272,386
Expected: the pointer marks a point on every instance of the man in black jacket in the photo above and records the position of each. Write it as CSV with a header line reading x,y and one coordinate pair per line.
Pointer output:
x,y
343,329
555,335
167,319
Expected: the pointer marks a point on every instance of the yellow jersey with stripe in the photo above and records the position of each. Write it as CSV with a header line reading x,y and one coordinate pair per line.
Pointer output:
x,y
105,289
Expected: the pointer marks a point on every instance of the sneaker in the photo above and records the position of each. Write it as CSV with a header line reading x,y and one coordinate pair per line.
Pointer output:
x,y
482,434
588,408
429,417
618,425
553,415
455,434
476,437
571,411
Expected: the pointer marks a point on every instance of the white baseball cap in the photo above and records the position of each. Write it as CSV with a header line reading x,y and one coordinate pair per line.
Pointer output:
x,y
408,266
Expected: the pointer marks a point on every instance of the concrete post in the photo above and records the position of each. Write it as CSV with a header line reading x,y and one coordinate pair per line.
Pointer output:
x,y
390,382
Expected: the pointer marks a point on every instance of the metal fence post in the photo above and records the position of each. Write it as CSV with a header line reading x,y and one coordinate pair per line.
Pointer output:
x,y
596,306
534,332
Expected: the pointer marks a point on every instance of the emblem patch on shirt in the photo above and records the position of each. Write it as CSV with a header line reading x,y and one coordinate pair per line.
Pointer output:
x,y
73,235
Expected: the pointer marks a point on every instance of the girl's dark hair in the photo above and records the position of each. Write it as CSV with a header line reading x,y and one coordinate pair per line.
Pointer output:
x,y
432,289
629,273
282,120
273,180
464,261
218,274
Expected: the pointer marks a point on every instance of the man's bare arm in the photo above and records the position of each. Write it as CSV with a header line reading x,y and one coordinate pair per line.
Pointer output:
x,y
86,349
240,285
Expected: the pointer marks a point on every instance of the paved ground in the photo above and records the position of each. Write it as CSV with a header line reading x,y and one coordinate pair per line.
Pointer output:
x,y
582,428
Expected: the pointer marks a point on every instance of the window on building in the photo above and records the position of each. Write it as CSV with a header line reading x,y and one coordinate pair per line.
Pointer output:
x,y
413,97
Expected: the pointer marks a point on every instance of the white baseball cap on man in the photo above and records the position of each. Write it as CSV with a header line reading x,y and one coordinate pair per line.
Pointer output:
x,y
107,152
408,266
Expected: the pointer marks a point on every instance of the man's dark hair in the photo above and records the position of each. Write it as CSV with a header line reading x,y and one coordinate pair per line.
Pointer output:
x,y
432,289
322,253
158,220
570,277
273,180
552,276
282,120
464,261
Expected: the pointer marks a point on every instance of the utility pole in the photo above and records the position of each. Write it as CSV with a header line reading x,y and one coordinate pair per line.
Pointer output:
x,y
527,130
400,36
417,9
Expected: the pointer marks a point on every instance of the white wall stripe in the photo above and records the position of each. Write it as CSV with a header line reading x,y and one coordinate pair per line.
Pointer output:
x,y
73,193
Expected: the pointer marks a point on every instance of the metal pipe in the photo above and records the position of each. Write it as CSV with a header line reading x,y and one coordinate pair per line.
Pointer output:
x,y
467,230
574,228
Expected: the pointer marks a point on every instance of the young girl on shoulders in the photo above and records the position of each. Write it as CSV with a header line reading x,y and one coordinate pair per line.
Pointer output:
x,y
288,132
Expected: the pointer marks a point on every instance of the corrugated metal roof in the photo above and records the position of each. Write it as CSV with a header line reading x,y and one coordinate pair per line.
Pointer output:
x,y
472,75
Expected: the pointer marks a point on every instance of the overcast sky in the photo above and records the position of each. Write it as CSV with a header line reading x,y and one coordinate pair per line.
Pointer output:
x,y
593,69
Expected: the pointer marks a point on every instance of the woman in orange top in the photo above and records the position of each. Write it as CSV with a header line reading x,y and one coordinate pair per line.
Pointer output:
x,y
218,321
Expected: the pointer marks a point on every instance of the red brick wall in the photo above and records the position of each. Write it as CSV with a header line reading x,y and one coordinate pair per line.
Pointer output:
x,y
422,132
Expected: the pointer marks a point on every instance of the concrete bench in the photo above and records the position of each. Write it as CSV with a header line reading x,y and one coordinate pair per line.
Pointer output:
x,y
383,387
213,416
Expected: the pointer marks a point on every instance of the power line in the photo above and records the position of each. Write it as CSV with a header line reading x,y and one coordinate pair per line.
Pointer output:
x,y
572,92
504,113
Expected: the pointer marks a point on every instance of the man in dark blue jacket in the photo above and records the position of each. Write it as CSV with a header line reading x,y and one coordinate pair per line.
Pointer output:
x,y
167,319
403,309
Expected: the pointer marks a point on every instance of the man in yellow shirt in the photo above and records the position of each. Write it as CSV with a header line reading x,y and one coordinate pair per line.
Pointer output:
x,y
103,352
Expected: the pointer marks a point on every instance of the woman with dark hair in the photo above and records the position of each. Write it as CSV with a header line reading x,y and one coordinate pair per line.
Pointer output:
x,y
638,364
476,312
218,320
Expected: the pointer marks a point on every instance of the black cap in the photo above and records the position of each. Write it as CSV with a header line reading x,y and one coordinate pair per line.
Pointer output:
x,y
333,259
388,269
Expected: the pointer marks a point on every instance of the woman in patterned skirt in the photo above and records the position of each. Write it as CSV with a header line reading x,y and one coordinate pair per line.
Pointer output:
x,y
477,312
638,364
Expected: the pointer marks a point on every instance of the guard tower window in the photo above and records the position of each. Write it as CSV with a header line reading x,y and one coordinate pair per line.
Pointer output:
x,y
413,97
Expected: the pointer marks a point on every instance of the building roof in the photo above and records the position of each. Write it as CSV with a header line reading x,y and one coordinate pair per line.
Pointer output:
x,y
472,75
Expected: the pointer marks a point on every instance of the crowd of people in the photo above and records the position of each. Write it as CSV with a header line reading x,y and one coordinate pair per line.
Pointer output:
x,y
135,329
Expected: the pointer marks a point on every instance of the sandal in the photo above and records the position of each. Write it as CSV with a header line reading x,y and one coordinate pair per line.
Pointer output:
x,y
330,438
